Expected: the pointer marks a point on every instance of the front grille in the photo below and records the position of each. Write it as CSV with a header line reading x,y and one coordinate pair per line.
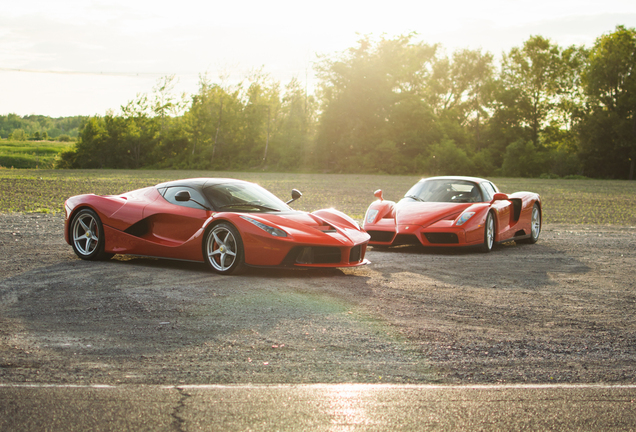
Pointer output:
x,y
381,236
442,238
356,254
406,239
314,255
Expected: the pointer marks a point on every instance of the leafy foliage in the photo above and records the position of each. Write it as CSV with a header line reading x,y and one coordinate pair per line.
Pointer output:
x,y
388,106
608,128
22,128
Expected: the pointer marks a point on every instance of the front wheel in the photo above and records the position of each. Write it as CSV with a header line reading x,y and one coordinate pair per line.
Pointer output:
x,y
87,234
489,233
535,225
223,249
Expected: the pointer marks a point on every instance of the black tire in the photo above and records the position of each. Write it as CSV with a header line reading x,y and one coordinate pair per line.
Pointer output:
x,y
223,249
535,225
489,233
87,236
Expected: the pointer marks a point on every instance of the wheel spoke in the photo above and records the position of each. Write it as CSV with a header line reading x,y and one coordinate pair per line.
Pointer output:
x,y
222,249
79,246
86,227
536,222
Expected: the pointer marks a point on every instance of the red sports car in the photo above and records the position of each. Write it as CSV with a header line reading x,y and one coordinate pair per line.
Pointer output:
x,y
454,211
224,222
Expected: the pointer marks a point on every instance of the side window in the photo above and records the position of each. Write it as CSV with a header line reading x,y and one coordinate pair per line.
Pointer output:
x,y
172,191
489,190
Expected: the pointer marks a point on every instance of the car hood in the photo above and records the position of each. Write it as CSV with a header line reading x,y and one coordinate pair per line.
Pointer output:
x,y
426,213
291,219
308,227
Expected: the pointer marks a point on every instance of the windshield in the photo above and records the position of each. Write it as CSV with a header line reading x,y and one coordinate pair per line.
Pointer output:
x,y
243,197
444,190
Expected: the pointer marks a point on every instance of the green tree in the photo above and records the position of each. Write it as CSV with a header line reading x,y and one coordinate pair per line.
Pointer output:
x,y
608,128
460,92
531,73
447,159
261,119
18,135
364,92
133,135
523,160
291,146
537,97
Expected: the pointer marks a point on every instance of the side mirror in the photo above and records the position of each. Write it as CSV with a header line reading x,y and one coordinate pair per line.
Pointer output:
x,y
378,194
295,195
499,197
182,196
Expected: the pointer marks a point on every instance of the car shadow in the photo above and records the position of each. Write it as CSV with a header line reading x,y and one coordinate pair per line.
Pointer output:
x,y
247,271
509,264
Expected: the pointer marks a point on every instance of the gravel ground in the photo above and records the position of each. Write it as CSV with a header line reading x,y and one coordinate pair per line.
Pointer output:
x,y
561,310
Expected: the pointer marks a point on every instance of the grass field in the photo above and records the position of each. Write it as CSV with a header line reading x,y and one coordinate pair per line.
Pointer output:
x,y
30,154
564,201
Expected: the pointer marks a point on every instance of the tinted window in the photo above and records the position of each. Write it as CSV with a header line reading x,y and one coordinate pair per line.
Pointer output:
x,y
444,190
194,194
243,197
489,190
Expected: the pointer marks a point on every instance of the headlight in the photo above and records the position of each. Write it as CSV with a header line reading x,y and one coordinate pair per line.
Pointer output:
x,y
270,229
464,217
371,214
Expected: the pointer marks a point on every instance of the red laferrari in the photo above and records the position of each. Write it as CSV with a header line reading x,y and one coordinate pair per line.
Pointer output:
x,y
224,222
454,211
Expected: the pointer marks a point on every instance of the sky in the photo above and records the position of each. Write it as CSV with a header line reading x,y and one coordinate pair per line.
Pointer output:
x,y
86,57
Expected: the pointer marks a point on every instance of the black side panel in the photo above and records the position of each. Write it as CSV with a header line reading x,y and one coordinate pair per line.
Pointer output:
x,y
139,229
516,208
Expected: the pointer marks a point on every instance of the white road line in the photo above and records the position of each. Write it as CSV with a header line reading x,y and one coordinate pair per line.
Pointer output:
x,y
326,386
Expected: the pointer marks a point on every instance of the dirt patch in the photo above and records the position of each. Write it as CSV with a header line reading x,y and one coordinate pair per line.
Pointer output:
x,y
561,310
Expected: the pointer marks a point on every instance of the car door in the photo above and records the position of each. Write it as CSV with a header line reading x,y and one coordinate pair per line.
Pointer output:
x,y
173,222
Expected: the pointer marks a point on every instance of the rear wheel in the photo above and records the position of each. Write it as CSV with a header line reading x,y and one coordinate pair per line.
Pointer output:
x,y
223,249
535,225
489,233
87,234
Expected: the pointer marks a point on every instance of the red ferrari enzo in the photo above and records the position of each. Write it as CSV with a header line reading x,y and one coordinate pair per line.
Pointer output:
x,y
454,211
224,222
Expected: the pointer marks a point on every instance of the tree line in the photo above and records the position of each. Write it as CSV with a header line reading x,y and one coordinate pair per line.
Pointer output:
x,y
39,127
394,105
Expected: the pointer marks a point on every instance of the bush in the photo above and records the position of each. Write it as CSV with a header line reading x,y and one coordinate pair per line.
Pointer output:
x,y
18,135
484,163
447,159
523,160
547,176
66,159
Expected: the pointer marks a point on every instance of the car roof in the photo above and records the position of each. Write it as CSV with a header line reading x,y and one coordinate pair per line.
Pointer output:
x,y
466,178
199,183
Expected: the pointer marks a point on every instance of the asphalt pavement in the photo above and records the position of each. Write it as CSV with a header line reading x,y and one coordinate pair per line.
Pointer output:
x,y
318,407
